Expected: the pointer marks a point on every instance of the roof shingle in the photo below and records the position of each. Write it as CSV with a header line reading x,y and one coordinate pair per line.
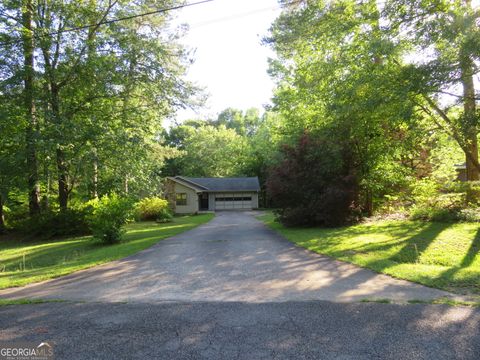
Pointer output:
x,y
226,184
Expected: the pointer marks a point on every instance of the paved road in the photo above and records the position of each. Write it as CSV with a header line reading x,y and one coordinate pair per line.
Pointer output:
x,y
232,258
250,331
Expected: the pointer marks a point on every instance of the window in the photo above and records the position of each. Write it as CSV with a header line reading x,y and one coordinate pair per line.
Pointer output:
x,y
233,198
181,199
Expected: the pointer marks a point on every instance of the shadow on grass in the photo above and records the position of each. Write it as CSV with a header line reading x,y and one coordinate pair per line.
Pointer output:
x,y
470,281
414,246
411,248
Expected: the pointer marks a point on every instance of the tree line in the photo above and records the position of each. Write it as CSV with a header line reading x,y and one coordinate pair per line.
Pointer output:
x,y
82,102
381,89
374,104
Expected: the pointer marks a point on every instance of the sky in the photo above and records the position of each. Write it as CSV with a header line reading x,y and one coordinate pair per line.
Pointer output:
x,y
230,61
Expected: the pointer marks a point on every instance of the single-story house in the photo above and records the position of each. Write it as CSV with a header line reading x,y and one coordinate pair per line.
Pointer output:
x,y
187,195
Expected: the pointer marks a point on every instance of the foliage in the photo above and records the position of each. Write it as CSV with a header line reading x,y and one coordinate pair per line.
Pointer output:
x,y
450,203
93,130
446,33
314,184
441,255
110,213
434,213
212,152
49,259
153,209
51,224
337,72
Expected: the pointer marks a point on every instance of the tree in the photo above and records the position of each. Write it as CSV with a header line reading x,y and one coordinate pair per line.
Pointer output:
x,y
448,32
95,98
214,152
31,133
12,149
337,70
315,183
245,124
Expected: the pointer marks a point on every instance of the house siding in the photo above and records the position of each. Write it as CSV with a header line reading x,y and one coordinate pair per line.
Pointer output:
x,y
255,200
192,200
211,201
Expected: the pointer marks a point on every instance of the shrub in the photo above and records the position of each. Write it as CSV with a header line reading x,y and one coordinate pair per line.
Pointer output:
x,y
435,214
470,215
314,185
109,215
445,214
55,223
153,208
424,191
452,202
469,190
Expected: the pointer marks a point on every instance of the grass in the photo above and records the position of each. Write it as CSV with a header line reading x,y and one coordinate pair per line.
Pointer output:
x,y
379,301
439,301
7,302
440,255
446,301
22,263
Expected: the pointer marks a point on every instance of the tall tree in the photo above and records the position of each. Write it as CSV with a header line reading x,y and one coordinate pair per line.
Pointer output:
x,y
444,39
336,71
214,151
31,134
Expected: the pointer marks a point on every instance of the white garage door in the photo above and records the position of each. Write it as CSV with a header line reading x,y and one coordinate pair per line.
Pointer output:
x,y
233,201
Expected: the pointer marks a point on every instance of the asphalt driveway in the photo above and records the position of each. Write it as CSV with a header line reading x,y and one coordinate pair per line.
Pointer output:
x,y
233,289
234,257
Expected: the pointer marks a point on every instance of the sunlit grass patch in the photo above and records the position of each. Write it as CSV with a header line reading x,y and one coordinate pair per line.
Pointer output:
x,y
441,255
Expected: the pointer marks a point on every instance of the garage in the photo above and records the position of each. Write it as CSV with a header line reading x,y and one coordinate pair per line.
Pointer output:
x,y
233,201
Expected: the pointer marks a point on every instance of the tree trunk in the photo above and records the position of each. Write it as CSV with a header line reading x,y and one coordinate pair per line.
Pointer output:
x,y
62,166
31,128
2,218
469,111
62,179
95,175
368,205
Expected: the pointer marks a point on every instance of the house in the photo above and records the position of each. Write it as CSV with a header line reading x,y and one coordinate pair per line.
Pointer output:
x,y
188,195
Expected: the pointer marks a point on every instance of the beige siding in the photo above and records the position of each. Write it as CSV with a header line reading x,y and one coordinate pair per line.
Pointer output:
x,y
211,201
192,200
255,200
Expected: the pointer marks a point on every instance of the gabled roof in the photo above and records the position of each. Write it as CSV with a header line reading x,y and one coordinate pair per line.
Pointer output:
x,y
221,184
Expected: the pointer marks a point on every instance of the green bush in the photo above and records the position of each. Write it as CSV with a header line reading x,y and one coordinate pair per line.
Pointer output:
x,y
153,208
109,215
470,215
424,192
469,190
435,214
431,204
55,224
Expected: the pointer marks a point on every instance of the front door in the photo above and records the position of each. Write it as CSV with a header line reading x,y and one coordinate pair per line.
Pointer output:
x,y
203,200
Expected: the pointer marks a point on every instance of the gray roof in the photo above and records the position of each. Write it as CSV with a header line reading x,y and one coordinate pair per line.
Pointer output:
x,y
224,184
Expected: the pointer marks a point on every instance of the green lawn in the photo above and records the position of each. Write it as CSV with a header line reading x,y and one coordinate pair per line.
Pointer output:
x,y
440,255
24,263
